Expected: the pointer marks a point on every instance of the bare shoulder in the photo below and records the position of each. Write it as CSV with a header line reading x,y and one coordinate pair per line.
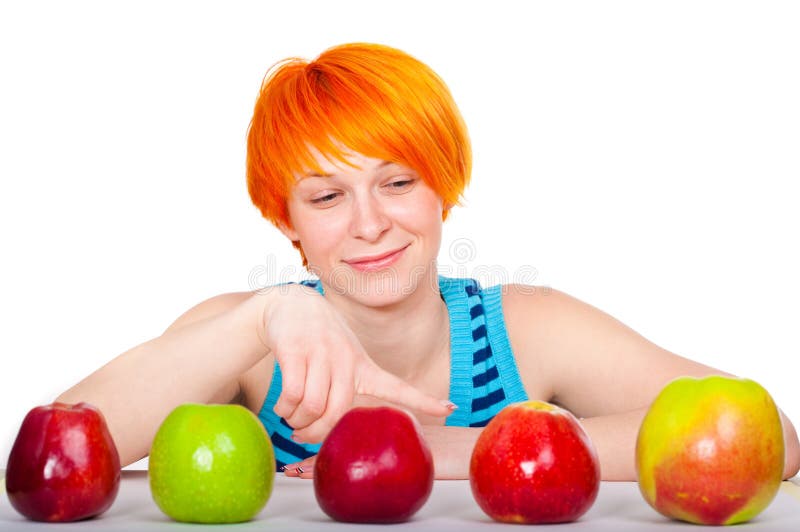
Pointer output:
x,y
251,387
524,301
209,307
534,313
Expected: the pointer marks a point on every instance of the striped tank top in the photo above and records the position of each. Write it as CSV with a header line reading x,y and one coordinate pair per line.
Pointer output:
x,y
483,372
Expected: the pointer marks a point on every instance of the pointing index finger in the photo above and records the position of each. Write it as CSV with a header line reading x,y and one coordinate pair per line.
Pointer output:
x,y
384,385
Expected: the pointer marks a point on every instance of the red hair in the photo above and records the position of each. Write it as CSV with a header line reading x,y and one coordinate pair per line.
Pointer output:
x,y
369,98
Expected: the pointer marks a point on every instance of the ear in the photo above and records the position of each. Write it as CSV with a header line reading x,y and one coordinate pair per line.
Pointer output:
x,y
288,232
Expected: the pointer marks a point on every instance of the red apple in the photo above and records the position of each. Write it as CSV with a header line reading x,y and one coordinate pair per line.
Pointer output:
x,y
63,465
710,451
534,463
374,467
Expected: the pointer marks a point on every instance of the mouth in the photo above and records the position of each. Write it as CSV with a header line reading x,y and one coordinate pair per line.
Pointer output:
x,y
376,262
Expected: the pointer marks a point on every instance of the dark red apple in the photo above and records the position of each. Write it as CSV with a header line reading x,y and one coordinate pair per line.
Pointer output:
x,y
374,467
64,465
534,463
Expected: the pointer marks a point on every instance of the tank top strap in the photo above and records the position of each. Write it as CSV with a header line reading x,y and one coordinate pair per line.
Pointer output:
x,y
501,345
454,293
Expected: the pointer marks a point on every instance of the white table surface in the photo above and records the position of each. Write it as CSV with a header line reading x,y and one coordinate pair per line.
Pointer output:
x,y
619,506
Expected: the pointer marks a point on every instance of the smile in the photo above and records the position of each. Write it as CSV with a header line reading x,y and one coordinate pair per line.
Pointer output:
x,y
377,262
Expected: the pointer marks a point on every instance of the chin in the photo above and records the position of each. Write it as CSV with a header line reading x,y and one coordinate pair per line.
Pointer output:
x,y
382,298
377,289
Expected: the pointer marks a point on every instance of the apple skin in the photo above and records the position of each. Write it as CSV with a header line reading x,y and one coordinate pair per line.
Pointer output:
x,y
373,467
534,463
211,464
710,451
63,465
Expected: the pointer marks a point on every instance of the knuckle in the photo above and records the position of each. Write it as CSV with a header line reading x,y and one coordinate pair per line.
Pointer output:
x,y
292,394
313,408
281,409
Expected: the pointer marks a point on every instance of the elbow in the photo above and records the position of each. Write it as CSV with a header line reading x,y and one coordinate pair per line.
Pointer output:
x,y
792,449
68,397
80,393
63,398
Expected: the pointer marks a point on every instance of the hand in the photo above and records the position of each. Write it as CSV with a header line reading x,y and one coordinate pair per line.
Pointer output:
x,y
451,448
324,365
303,469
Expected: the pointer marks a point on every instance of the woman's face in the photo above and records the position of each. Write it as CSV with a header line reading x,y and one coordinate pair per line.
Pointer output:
x,y
370,231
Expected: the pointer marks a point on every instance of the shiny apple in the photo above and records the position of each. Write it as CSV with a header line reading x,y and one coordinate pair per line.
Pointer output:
x,y
63,465
373,467
534,463
710,451
211,464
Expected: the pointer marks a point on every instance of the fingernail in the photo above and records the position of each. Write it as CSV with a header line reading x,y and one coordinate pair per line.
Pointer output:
x,y
282,468
296,439
450,405
299,469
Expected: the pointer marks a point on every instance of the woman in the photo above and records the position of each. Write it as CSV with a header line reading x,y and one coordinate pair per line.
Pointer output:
x,y
357,157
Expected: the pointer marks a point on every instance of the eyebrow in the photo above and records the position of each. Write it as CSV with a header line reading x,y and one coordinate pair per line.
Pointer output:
x,y
324,174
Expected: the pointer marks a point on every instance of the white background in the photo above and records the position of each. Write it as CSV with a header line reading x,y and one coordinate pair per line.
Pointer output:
x,y
642,157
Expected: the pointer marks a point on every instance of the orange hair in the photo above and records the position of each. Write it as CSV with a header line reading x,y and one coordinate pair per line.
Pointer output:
x,y
372,99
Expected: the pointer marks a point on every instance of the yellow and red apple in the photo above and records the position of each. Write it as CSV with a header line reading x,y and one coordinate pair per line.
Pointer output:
x,y
710,451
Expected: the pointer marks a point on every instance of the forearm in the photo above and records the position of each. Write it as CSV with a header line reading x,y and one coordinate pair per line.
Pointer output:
x,y
614,438
137,389
451,448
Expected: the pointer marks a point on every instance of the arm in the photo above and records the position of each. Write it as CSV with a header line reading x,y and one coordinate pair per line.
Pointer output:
x,y
601,370
208,347
203,356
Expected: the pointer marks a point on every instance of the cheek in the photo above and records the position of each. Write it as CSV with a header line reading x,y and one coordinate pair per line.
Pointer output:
x,y
429,210
422,215
320,234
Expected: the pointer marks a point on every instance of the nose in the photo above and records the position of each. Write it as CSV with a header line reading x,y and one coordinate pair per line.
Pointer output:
x,y
369,221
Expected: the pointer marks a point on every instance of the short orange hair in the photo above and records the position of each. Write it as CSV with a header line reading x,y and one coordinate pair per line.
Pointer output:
x,y
372,99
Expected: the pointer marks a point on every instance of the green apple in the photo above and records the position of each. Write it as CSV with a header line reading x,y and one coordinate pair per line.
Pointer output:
x,y
211,464
710,451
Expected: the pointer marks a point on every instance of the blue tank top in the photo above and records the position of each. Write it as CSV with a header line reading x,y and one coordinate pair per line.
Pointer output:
x,y
483,372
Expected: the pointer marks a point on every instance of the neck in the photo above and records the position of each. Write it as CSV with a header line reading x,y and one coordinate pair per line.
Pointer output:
x,y
404,338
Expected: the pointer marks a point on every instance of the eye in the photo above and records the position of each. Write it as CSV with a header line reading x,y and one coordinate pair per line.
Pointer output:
x,y
400,185
326,199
